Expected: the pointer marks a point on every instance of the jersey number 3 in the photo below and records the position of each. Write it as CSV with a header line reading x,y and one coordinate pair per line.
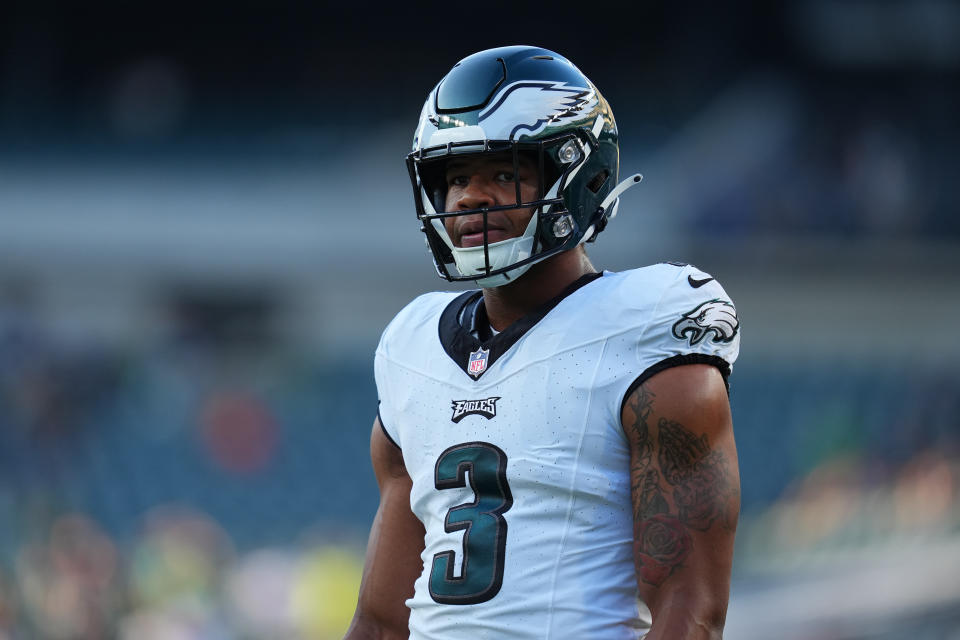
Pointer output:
x,y
485,538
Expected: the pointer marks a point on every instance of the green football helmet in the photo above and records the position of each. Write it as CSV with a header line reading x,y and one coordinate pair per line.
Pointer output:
x,y
529,103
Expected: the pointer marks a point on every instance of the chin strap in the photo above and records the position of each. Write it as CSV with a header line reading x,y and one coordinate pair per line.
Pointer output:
x,y
615,194
612,201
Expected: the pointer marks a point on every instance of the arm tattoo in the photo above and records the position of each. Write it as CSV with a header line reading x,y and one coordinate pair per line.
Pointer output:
x,y
698,474
652,501
695,476
642,405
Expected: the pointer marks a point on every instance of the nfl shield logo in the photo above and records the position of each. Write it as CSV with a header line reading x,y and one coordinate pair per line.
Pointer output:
x,y
478,362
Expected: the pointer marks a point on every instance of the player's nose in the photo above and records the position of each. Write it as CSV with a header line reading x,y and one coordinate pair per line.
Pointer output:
x,y
477,194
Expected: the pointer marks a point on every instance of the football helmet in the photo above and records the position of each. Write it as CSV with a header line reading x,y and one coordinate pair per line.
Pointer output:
x,y
525,102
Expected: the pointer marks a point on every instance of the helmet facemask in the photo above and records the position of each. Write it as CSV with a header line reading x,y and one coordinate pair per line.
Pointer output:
x,y
550,230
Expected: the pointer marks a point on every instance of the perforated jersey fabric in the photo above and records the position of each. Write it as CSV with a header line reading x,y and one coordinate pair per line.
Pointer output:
x,y
521,472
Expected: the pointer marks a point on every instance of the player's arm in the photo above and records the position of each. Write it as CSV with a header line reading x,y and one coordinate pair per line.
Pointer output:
x,y
686,499
393,551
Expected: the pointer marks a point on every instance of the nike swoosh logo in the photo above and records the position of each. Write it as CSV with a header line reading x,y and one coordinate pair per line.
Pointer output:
x,y
696,284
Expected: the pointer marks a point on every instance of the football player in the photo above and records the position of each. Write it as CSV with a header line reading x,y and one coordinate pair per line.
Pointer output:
x,y
554,450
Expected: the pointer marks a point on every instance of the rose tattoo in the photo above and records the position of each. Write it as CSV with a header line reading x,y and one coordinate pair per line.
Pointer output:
x,y
660,545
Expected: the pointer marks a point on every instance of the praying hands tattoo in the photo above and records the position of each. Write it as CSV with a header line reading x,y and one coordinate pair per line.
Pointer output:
x,y
688,487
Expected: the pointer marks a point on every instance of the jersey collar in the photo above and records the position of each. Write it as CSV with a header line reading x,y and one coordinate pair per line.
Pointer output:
x,y
455,327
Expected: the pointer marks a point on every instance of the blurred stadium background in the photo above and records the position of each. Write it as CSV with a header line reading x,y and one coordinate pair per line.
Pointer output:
x,y
205,222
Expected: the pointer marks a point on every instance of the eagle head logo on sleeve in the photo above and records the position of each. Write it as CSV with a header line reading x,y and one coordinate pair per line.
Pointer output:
x,y
716,317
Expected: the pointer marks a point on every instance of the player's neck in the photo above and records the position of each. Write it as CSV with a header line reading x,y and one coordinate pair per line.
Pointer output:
x,y
542,282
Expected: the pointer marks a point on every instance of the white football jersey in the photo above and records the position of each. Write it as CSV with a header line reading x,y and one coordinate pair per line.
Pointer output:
x,y
519,463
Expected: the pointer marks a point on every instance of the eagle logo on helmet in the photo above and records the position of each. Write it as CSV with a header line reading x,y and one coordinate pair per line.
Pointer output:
x,y
717,317
541,103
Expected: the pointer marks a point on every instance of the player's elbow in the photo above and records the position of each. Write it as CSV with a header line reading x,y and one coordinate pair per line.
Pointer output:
x,y
368,627
689,614
710,622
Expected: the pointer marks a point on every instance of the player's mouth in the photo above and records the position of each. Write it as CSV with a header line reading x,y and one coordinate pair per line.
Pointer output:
x,y
471,233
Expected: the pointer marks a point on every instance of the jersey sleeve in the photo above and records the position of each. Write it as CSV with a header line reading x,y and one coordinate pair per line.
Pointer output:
x,y
383,377
404,336
384,404
694,322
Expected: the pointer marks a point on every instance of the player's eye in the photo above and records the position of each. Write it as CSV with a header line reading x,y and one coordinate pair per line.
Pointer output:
x,y
457,180
505,176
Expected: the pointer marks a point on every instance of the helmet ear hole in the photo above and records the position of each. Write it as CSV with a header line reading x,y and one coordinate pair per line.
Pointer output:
x,y
598,181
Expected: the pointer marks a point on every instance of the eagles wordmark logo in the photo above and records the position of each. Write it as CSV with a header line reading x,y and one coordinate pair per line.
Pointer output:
x,y
717,317
463,408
